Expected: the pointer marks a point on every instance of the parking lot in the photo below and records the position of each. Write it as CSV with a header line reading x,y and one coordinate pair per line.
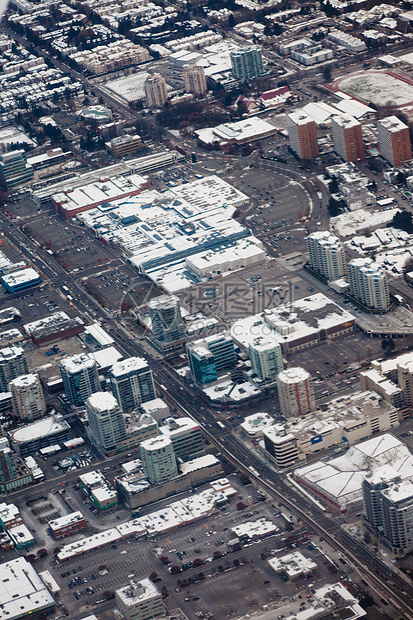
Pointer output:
x,y
209,570
287,202
120,288
329,357
74,247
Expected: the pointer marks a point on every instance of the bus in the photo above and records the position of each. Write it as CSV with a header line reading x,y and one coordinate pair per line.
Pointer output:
x,y
221,425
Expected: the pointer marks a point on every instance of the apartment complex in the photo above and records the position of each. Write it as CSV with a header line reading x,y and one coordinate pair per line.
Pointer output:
x,y
302,134
106,422
132,383
388,508
27,397
111,57
347,137
394,138
266,358
246,62
194,80
12,364
327,255
155,91
158,459
368,283
80,377
295,392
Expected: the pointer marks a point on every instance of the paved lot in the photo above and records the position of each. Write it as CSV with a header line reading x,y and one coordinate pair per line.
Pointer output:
x,y
75,247
209,587
287,200
120,288
327,358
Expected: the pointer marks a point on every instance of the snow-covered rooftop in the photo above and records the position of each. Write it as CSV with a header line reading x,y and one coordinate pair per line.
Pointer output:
x,y
293,564
22,592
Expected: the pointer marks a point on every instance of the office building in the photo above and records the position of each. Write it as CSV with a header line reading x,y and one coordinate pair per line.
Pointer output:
x,y
124,145
12,364
394,138
295,392
194,79
14,170
327,255
166,319
347,137
185,435
388,508
246,62
158,459
27,397
202,364
302,134
107,426
209,355
131,382
266,358
282,448
140,601
155,91
368,283
80,377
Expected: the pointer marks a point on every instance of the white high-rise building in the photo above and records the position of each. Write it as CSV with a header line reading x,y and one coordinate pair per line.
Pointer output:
x,y
368,283
326,255
106,422
158,459
166,319
194,79
155,91
246,62
266,358
27,397
295,392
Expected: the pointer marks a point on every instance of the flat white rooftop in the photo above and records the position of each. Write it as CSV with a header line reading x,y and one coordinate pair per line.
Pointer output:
x,y
22,592
41,428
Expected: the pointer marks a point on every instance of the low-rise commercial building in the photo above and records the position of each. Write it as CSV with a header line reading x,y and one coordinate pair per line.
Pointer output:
x,y
67,525
23,593
56,326
28,439
135,491
20,280
295,565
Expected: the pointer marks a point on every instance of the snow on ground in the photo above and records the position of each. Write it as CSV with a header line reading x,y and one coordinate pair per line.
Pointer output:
x,y
392,248
350,223
378,88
